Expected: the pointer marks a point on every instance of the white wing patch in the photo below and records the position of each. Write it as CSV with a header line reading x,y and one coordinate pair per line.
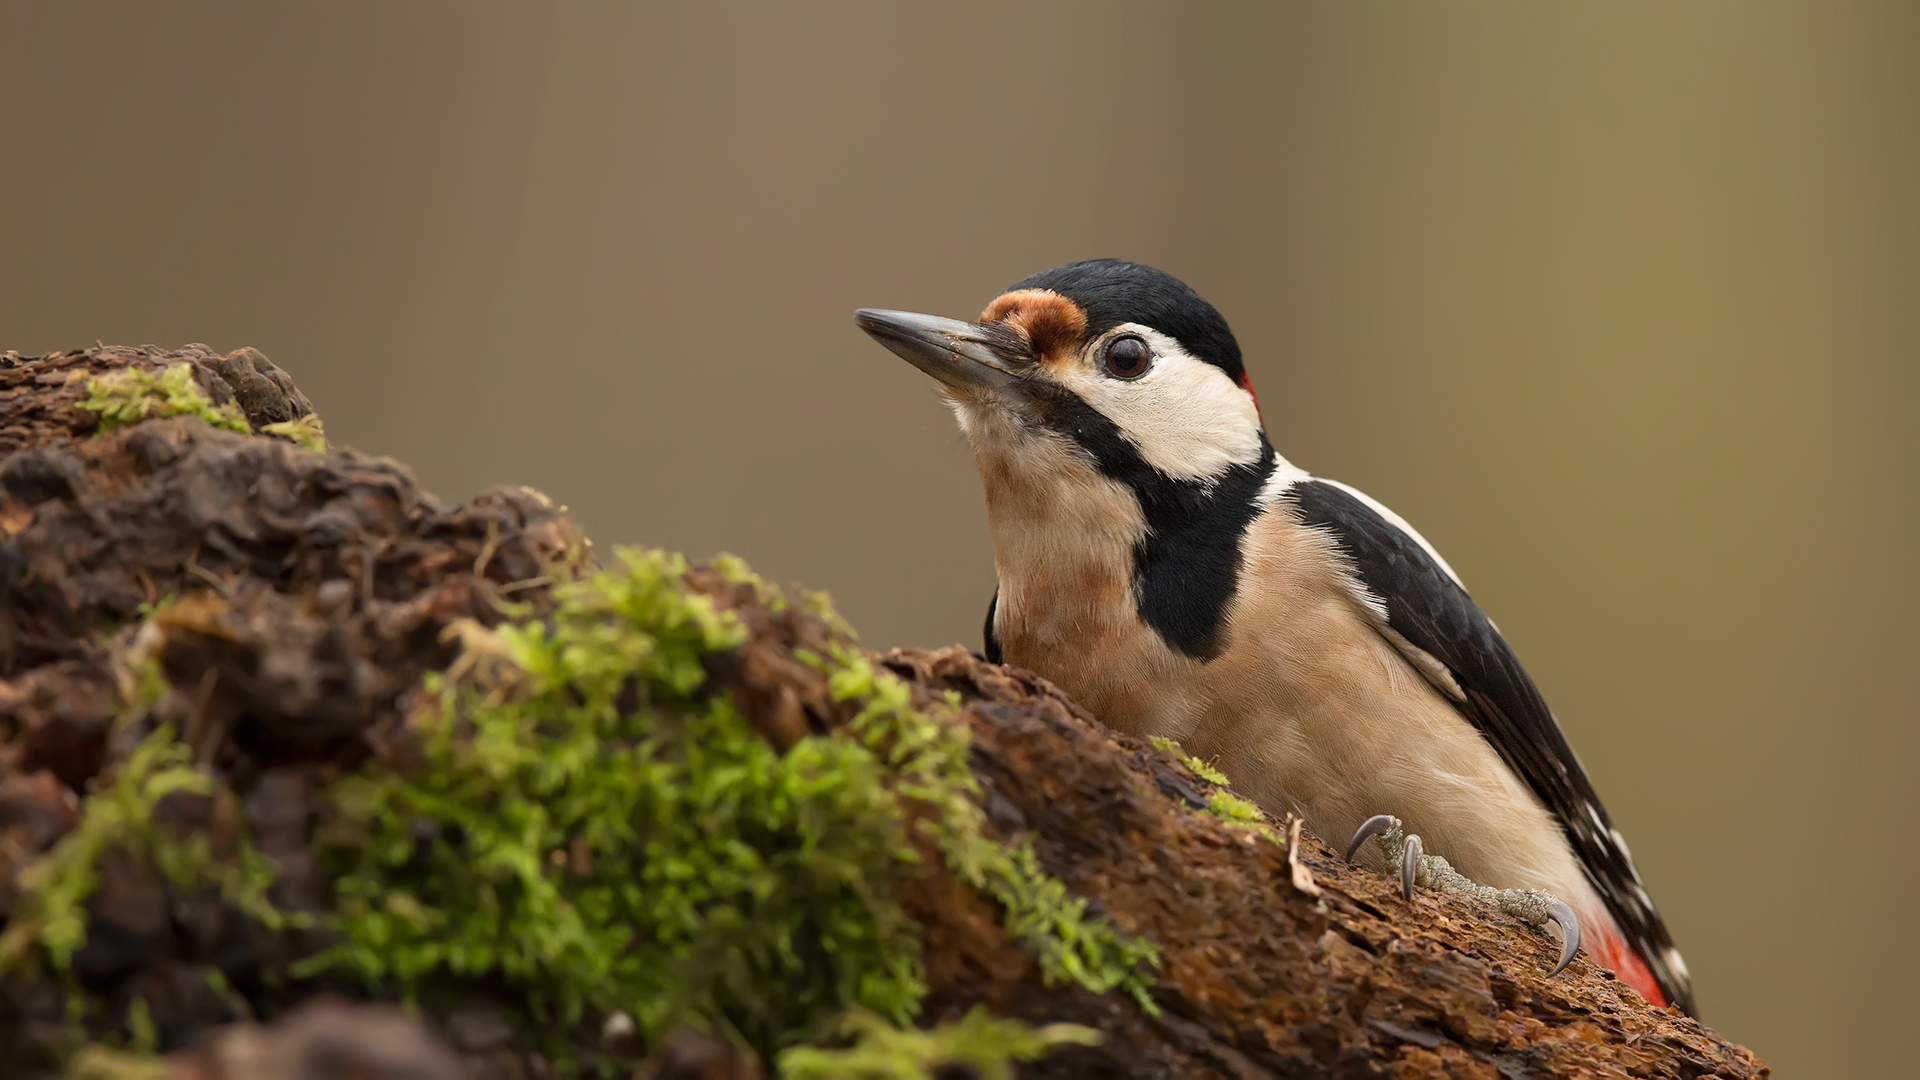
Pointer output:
x,y
1187,419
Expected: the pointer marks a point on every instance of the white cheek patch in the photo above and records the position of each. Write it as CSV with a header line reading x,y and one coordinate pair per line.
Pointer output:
x,y
1187,419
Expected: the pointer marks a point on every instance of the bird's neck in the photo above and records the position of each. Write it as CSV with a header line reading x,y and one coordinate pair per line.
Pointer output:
x,y
1085,559
1063,539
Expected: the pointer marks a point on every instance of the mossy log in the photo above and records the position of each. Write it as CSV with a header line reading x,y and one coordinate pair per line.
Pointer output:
x,y
208,635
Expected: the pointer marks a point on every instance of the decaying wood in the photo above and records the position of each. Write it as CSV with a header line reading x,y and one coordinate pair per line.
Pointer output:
x,y
319,587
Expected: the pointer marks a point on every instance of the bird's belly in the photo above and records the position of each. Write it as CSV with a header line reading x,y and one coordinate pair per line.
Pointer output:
x,y
1367,736
1317,715
1335,734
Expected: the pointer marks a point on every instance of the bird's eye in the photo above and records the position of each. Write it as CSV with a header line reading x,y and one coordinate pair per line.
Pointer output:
x,y
1126,358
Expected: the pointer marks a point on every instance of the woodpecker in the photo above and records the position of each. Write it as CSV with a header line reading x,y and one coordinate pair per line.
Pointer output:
x,y
1158,560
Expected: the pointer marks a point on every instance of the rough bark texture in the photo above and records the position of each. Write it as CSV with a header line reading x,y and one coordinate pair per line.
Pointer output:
x,y
315,590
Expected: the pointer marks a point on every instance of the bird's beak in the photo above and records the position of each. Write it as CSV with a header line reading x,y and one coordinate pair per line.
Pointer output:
x,y
963,356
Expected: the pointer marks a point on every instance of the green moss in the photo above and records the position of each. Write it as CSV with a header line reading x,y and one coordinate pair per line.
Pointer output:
x,y
608,838
1223,804
592,826
50,915
1235,810
880,1051
141,682
131,395
1194,765
94,1062
142,1036
735,571
820,606
930,758
149,608
307,431
589,824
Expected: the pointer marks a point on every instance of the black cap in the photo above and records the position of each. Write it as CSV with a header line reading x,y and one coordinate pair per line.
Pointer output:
x,y
1113,291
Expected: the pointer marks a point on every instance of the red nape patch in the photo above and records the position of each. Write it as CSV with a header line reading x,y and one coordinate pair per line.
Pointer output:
x,y
1051,322
1246,383
1612,952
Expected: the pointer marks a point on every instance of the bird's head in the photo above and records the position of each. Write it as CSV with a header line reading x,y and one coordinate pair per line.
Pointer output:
x,y
1118,364
1120,450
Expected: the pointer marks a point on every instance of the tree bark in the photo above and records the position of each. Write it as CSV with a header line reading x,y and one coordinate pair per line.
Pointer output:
x,y
317,590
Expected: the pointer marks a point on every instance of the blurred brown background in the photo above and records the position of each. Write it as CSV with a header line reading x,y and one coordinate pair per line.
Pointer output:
x,y
1618,306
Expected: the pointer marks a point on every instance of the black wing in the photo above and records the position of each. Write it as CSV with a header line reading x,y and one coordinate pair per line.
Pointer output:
x,y
1429,608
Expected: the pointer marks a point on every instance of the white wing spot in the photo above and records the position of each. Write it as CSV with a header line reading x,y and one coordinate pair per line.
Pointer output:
x,y
1677,964
1621,843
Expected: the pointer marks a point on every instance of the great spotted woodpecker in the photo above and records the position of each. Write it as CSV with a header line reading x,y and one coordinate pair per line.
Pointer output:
x,y
1159,561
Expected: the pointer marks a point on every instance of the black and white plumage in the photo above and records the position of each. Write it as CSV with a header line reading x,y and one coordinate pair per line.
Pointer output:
x,y
1159,560
1429,607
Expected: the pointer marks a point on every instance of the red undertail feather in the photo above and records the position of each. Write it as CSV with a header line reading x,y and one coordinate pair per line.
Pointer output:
x,y
1608,949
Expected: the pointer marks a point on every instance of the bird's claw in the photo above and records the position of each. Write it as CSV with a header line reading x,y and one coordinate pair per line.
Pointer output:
x,y
1377,825
1417,867
1409,864
1559,912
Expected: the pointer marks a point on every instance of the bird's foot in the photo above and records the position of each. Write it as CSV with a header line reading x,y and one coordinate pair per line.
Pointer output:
x,y
1435,872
